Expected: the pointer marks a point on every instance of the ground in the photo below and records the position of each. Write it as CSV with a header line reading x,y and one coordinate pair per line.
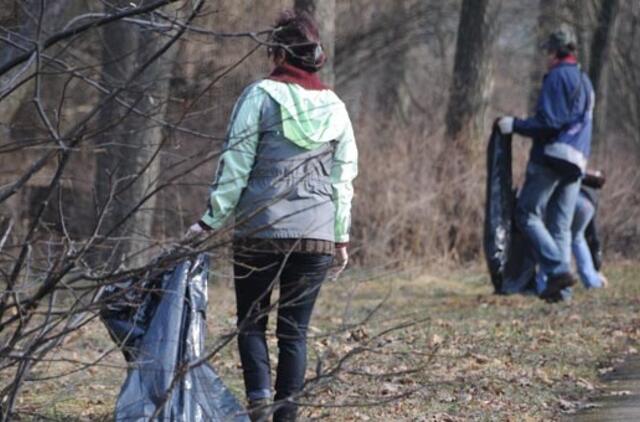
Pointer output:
x,y
409,346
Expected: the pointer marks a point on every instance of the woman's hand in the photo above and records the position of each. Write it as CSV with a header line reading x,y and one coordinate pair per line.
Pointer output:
x,y
340,261
196,230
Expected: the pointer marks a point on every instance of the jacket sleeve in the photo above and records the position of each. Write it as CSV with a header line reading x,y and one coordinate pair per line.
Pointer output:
x,y
237,158
343,171
550,108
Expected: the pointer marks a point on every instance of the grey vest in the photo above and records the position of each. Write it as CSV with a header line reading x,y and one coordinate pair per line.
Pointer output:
x,y
289,193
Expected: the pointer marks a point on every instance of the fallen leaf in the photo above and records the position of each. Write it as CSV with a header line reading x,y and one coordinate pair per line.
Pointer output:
x,y
436,340
585,384
620,393
542,376
566,405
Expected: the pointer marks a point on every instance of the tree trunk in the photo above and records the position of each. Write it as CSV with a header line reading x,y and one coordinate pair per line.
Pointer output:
x,y
471,85
549,18
324,14
20,123
466,113
393,95
583,16
599,56
127,164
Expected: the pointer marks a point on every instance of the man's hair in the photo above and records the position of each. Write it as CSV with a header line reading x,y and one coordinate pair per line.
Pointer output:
x,y
562,42
566,51
297,35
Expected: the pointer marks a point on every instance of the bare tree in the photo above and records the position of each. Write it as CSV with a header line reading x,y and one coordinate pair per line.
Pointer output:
x,y
128,166
469,94
603,37
394,95
48,289
550,16
625,78
581,17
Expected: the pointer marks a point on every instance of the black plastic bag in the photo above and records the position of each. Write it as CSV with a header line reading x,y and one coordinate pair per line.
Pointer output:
x,y
520,270
499,207
593,240
509,258
159,322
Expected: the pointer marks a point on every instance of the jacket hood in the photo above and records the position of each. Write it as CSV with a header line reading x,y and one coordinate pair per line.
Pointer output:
x,y
310,118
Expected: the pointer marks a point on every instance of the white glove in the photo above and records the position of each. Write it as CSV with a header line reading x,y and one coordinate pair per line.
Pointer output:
x,y
506,125
340,261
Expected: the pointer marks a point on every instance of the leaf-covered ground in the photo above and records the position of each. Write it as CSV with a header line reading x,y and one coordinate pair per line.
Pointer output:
x,y
401,347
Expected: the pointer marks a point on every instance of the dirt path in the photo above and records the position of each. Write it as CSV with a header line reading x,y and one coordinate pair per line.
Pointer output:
x,y
621,401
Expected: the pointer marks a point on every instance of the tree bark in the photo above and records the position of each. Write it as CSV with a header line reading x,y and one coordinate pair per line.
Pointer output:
x,y
393,95
127,162
584,22
471,85
324,14
603,38
549,18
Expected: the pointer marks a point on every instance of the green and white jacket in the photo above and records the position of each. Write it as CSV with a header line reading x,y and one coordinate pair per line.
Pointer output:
x,y
287,167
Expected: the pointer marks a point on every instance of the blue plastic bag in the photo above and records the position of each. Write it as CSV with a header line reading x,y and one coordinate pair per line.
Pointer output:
x,y
159,323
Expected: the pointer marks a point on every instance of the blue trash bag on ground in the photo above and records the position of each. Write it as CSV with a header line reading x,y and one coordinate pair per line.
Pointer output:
x,y
159,323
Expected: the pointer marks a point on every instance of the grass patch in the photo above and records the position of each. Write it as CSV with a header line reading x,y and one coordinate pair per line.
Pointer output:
x,y
437,348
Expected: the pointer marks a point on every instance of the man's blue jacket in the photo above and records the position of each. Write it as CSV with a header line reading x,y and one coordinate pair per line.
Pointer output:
x,y
566,98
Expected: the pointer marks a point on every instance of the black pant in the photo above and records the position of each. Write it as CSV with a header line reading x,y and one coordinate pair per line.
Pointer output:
x,y
301,276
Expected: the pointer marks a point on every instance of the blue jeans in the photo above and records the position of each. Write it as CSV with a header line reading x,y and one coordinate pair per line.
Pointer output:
x,y
301,276
584,261
544,213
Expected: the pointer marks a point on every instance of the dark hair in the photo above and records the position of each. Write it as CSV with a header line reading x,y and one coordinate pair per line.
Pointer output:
x,y
297,35
566,51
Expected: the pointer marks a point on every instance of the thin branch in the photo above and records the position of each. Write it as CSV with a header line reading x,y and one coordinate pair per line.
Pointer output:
x,y
82,28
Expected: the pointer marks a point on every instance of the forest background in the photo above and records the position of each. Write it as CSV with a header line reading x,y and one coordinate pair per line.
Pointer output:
x,y
423,81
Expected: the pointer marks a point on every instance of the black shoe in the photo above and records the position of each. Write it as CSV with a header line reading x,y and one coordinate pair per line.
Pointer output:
x,y
286,411
259,410
554,298
557,283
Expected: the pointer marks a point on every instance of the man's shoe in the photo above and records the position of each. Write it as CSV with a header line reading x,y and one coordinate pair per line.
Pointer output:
x,y
554,298
557,283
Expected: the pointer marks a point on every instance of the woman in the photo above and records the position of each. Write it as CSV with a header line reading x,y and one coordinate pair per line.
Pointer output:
x,y
583,217
286,175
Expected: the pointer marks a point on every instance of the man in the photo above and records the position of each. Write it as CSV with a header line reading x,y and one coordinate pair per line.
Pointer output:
x,y
561,132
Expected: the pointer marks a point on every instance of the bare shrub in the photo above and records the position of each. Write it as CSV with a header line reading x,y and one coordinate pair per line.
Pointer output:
x,y
417,201
402,209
